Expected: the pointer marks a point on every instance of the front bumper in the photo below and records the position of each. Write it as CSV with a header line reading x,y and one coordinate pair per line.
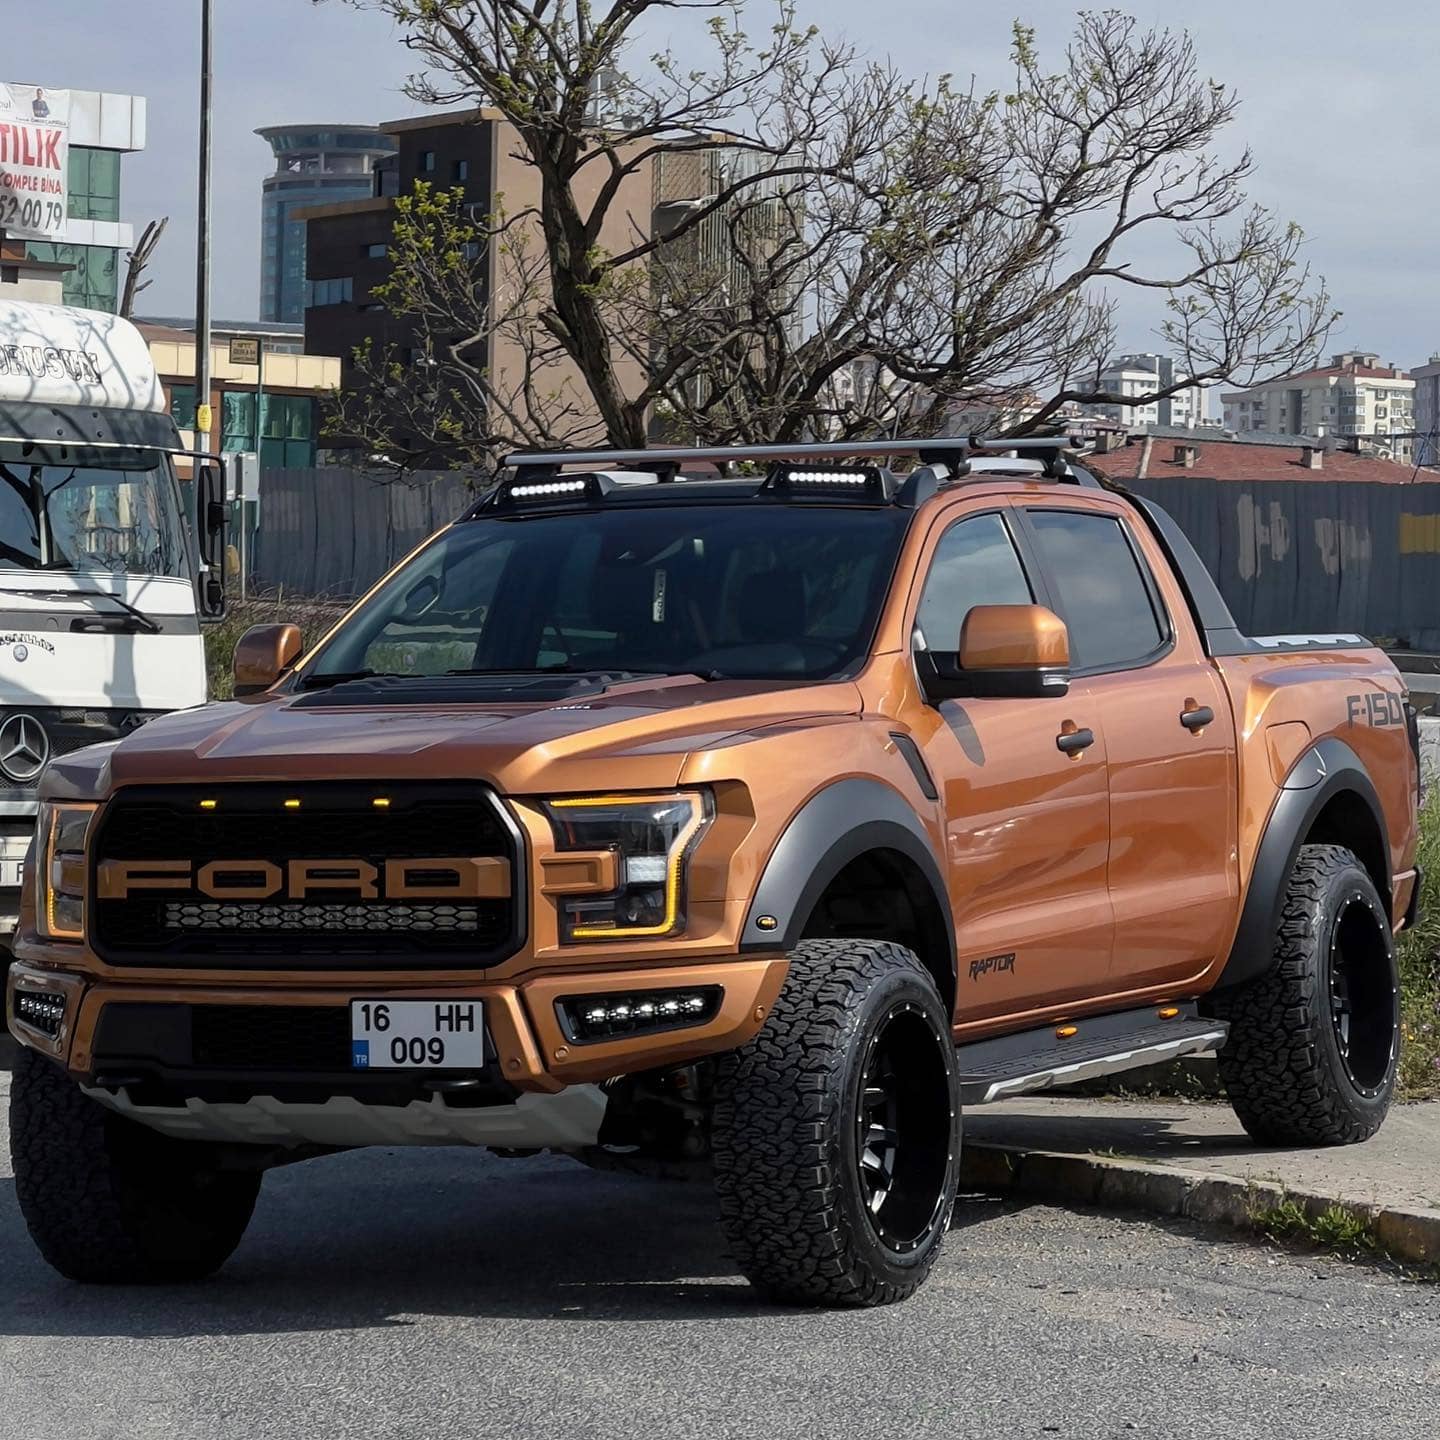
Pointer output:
x,y
529,1047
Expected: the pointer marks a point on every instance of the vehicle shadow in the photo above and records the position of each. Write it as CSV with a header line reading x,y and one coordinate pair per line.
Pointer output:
x,y
1141,1136
368,1239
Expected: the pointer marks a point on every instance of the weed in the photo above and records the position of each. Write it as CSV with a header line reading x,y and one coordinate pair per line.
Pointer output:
x,y
1420,972
1334,1229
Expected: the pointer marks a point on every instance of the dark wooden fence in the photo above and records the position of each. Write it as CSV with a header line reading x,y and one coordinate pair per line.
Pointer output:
x,y
1310,555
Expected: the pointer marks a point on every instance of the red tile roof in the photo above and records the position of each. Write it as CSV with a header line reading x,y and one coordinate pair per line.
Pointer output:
x,y
1234,460
1359,372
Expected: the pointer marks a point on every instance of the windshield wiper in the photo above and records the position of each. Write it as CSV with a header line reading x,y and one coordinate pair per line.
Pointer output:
x,y
563,670
143,622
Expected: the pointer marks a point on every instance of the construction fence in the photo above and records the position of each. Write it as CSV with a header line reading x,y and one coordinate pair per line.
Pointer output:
x,y
1311,555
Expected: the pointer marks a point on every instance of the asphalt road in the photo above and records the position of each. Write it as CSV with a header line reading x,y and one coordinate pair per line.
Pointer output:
x,y
444,1293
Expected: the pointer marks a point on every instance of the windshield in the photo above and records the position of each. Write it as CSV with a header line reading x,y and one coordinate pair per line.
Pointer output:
x,y
747,590
78,517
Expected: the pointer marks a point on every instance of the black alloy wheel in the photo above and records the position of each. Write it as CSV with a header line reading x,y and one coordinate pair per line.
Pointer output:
x,y
904,1129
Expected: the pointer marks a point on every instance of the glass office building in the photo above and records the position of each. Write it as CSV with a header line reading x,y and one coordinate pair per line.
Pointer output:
x,y
314,165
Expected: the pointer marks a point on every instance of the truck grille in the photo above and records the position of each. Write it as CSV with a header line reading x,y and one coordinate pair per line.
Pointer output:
x,y
250,834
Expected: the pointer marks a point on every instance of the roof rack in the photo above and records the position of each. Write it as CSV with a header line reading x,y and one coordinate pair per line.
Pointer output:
x,y
951,452
804,471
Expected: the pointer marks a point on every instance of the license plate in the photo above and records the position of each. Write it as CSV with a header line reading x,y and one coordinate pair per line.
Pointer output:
x,y
417,1035
12,861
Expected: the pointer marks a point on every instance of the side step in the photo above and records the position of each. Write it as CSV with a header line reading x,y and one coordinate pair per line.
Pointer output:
x,y
1083,1049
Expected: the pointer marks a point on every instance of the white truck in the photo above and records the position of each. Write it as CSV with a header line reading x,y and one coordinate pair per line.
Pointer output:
x,y
108,561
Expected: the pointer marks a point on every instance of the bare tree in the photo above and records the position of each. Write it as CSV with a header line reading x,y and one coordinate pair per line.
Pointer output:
x,y
871,253
137,260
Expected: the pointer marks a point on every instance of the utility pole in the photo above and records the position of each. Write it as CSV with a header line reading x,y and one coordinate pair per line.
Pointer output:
x,y
204,420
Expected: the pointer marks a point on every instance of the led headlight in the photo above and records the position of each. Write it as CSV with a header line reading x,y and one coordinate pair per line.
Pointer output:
x,y
60,845
652,837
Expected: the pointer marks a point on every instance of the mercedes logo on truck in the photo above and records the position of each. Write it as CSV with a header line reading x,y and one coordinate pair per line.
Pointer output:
x,y
24,749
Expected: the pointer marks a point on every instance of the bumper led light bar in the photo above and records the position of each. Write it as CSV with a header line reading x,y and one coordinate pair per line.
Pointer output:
x,y
41,1010
587,1019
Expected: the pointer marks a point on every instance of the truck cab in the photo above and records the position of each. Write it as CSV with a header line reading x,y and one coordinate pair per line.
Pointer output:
x,y
104,579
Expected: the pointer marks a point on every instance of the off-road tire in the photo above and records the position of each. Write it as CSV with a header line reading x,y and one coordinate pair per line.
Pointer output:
x,y
785,1138
110,1202
1282,1065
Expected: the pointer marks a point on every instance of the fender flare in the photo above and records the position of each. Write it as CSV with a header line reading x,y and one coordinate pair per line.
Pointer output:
x,y
832,828
1328,768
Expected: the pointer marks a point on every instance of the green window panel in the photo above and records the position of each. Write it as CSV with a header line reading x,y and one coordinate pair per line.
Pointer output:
x,y
182,406
94,184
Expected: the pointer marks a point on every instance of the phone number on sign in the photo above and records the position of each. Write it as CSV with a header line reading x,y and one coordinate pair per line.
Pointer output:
x,y
17,214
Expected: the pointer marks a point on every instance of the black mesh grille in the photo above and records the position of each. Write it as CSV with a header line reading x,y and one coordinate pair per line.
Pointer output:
x,y
293,1038
339,929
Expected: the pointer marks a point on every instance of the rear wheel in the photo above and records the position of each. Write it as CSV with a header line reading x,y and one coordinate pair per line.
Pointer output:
x,y
837,1129
1314,1044
107,1200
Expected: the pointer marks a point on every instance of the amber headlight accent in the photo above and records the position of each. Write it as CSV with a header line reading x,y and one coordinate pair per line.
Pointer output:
x,y
60,843
652,837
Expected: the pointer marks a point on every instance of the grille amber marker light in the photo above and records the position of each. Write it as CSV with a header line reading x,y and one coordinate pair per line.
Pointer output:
x,y
292,804
208,804
1064,1032
1168,1012
381,802
676,862
53,928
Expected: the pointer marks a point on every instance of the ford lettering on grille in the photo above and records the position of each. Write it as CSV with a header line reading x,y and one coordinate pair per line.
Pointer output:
x,y
325,875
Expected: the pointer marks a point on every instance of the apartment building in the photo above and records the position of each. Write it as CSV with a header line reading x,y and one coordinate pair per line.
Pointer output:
x,y
1144,374
1355,395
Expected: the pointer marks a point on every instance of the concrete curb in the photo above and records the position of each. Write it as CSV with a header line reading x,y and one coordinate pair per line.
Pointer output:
x,y
1405,1234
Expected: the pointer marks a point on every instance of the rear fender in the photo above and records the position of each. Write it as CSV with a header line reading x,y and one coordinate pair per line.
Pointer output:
x,y
1327,769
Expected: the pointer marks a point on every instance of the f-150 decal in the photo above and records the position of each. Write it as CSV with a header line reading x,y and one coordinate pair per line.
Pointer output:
x,y
1377,707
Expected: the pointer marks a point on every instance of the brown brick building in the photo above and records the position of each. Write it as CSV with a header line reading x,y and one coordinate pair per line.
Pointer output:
x,y
475,151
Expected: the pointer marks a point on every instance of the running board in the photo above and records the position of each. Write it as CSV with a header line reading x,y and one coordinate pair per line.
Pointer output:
x,y
1083,1050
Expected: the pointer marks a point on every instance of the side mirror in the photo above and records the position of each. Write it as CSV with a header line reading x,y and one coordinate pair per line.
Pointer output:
x,y
210,516
1019,651
263,654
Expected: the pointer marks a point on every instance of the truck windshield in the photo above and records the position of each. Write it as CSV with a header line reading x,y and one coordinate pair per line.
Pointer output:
x,y
80,517
744,590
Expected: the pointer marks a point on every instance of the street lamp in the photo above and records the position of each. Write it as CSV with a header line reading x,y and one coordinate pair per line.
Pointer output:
x,y
204,420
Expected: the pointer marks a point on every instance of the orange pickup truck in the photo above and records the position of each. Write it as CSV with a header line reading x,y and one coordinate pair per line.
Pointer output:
x,y
739,824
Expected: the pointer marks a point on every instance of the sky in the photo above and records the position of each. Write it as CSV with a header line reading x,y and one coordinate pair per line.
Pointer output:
x,y
1337,108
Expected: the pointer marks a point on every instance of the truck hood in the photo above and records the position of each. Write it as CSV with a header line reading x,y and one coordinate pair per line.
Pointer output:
x,y
632,736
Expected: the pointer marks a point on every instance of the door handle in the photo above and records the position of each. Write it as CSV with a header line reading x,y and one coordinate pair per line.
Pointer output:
x,y
1072,742
1197,717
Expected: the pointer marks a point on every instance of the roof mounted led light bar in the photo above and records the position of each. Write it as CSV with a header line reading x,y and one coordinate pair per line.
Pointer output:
x,y
863,483
549,487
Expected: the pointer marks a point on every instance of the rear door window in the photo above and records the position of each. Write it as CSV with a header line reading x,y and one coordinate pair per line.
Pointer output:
x,y
1105,595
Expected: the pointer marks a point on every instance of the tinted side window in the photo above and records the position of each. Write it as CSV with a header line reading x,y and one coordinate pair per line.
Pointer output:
x,y
1103,596
975,564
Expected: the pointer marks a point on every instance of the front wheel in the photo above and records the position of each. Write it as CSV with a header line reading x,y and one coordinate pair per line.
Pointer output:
x,y
836,1130
107,1200
1314,1044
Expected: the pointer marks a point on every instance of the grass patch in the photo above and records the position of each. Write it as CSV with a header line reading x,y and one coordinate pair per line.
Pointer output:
x,y
1335,1229
1420,972
313,617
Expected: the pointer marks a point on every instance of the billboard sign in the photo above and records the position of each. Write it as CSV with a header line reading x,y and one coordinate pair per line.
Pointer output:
x,y
34,161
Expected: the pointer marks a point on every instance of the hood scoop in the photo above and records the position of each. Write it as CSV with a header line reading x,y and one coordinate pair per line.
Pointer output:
x,y
522,687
